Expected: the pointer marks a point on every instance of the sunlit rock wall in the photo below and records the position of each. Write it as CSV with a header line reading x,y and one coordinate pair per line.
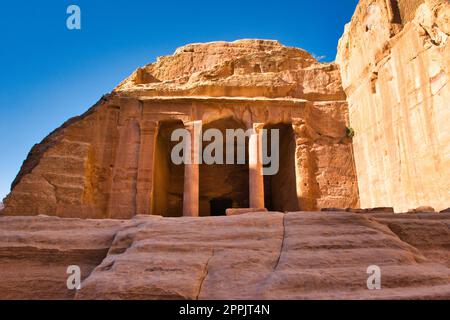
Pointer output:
x,y
395,66
110,162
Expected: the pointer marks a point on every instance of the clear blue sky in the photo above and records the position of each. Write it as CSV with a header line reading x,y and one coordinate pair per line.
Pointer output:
x,y
49,74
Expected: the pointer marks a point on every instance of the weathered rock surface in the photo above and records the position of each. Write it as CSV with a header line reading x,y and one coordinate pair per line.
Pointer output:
x,y
429,233
422,209
305,255
112,161
243,68
36,251
234,212
225,257
395,67
326,255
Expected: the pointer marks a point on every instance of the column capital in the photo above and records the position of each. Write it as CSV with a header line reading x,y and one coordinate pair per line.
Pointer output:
x,y
148,126
298,121
192,124
257,126
300,128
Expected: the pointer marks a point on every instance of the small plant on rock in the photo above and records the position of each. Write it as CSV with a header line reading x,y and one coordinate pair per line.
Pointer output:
x,y
350,132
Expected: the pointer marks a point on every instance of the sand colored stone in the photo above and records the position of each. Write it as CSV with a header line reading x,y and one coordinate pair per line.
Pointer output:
x,y
112,162
235,212
101,192
35,253
395,66
303,255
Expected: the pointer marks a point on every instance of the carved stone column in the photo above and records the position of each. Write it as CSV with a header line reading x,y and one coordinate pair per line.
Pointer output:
x,y
145,170
303,170
191,171
256,182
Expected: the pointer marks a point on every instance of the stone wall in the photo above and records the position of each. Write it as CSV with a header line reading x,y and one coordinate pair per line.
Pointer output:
x,y
395,73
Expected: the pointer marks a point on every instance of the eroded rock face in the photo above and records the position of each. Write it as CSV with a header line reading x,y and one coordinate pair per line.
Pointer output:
x,y
244,68
302,255
35,253
395,67
185,258
112,162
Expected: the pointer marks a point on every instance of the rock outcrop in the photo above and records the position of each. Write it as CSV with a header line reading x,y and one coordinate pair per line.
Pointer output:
x,y
112,162
35,253
395,67
244,68
303,255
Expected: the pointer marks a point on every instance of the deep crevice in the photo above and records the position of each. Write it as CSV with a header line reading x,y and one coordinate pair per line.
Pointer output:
x,y
205,274
282,243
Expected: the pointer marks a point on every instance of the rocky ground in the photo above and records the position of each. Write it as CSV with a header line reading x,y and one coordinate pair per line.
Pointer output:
x,y
314,255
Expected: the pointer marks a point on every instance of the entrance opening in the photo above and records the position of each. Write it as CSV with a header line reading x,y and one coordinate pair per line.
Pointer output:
x,y
397,16
224,181
220,205
168,178
280,192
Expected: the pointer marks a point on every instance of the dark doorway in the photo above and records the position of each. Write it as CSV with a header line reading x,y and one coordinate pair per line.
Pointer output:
x,y
280,190
219,206
168,178
220,181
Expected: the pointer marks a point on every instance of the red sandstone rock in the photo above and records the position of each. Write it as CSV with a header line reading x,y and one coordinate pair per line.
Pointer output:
x,y
380,209
333,210
112,161
306,255
36,251
422,209
237,211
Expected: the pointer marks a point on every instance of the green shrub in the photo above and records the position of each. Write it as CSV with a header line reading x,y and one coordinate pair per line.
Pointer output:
x,y
350,132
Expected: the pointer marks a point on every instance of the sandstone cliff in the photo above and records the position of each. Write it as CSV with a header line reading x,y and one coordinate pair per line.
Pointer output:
x,y
395,67
394,63
111,161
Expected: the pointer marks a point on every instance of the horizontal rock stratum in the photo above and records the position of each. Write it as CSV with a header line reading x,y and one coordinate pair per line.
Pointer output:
x,y
302,255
